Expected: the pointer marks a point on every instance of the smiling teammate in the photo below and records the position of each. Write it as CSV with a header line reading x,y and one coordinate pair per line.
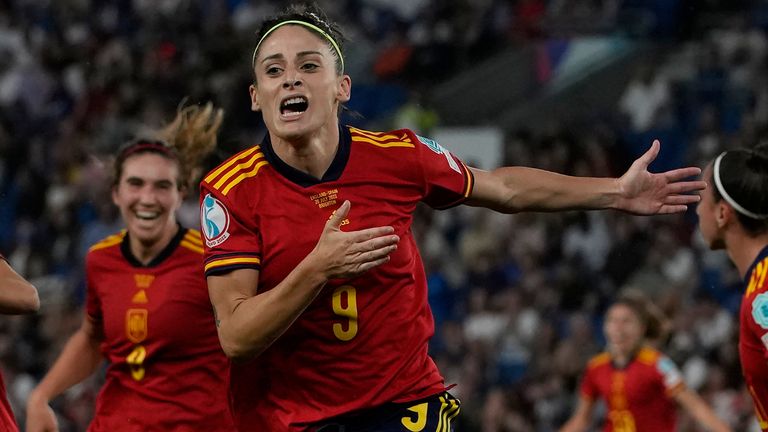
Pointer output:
x,y
147,308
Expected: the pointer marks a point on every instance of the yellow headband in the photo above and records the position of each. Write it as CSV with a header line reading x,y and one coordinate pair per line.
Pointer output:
x,y
305,24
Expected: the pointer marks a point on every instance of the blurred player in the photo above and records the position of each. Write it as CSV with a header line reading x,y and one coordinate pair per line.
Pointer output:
x,y
640,385
311,264
17,296
147,309
733,215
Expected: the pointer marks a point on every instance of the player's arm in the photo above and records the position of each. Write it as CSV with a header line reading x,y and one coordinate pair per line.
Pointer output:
x,y
17,296
79,359
513,189
700,411
581,417
248,321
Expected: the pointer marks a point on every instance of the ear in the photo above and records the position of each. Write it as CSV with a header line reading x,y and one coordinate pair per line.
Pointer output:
x,y
345,89
114,195
253,91
724,214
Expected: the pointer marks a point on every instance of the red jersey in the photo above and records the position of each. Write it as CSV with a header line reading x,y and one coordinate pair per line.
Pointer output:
x,y
7,421
166,368
640,395
753,338
363,341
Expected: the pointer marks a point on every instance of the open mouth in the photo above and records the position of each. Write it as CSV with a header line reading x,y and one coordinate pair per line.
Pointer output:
x,y
147,215
294,106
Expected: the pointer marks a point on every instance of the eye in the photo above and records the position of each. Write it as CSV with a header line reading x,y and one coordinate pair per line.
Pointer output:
x,y
273,70
309,66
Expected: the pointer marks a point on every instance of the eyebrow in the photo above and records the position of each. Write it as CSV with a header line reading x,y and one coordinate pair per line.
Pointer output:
x,y
300,54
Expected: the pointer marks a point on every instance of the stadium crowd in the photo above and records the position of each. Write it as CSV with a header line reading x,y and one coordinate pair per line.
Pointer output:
x,y
517,300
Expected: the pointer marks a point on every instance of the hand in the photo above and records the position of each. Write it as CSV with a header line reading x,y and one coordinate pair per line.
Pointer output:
x,y
647,193
349,254
40,416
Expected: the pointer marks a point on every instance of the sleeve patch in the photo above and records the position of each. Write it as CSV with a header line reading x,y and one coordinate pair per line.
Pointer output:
x,y
669,371
214,220
437,148
760,310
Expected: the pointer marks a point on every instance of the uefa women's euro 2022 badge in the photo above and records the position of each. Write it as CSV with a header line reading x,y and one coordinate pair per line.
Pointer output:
x,y
760,310
214,220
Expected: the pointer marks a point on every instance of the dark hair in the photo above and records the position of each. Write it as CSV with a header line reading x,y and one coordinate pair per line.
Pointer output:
x,y
656,324
309,13
744,176
188,139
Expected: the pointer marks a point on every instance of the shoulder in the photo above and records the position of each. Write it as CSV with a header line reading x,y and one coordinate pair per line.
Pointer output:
x,y
758,282
649,356
111,242
231,173
598,361
400,138
192,241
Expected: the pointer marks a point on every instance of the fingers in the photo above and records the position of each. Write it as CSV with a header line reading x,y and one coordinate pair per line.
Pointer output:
x,y
339,215
682,199
684,187
669,209
370,233
681,173
375,244
650,155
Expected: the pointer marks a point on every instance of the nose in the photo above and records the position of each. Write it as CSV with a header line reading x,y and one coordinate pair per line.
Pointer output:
x,y
291,81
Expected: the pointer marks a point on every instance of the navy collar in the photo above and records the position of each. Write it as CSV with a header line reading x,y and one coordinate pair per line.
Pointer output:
x,y
300,177
125,248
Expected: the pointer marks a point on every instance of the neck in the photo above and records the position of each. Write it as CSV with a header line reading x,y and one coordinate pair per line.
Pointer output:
x,y
312,154
622,358
743,249
145,252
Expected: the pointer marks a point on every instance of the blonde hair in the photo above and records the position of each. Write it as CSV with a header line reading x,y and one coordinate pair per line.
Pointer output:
x,y
188,139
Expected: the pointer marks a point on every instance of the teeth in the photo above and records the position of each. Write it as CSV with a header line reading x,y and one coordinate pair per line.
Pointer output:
x,y
294,100
146,215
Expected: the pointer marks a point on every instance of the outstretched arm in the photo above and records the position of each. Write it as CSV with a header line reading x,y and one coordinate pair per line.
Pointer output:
x,y
699,410
79,359
17,296
249,321
580,419
514,189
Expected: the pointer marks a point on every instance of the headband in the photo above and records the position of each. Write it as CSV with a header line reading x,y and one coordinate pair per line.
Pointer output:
x,y
144,145
728,198
305,24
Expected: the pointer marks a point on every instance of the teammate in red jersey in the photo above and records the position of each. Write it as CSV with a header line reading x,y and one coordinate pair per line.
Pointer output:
x,y
147,309
640,385
17,296
312,267
733,215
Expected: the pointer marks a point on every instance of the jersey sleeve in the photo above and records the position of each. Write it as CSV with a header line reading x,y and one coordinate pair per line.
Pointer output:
x,y
588,388
671,377
446,179
230,243
92,299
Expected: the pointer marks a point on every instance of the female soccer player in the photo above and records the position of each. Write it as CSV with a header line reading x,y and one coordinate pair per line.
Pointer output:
x,y
733,215
17,296
147,309
640,385
312,267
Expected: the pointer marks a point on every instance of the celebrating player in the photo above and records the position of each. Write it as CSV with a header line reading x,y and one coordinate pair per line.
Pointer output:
x,y
147,310
733,215
312,268
639,384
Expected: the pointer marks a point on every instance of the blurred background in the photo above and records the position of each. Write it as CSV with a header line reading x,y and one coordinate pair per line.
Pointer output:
x,y
575,86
